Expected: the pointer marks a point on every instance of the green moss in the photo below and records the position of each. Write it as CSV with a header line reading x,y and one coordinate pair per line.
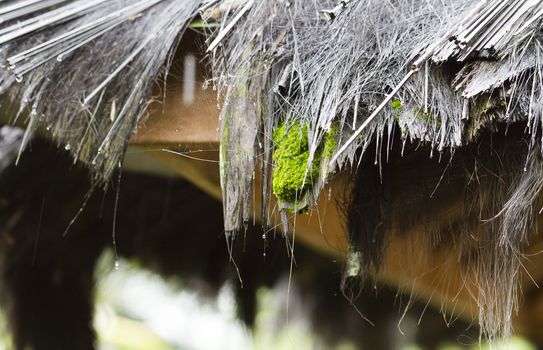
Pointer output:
x,y
418,114
397,109
482,111
396,104
330,142
290,176
428,118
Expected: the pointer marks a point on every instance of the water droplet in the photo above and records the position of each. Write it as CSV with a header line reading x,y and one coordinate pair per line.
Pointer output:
x,y
264,236
48,127
214,87
264,255
117,265
60,58
67,147
19,78
205,85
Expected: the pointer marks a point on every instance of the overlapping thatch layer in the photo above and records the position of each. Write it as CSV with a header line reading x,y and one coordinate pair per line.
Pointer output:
x,y
429,71
307,87
84,69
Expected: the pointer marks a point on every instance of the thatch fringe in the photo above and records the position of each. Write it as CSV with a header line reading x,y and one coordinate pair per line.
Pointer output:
x,y
84,70
435,73
431,72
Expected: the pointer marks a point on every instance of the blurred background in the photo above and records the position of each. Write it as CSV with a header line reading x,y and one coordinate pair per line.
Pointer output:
x,y
170,283
137,310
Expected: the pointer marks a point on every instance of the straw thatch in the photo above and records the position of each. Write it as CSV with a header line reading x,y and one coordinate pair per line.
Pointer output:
x,y
311,85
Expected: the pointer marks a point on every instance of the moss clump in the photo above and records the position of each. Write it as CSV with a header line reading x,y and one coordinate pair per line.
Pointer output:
x,y
330,142
482,111
291,177
396,104
397,108
428,118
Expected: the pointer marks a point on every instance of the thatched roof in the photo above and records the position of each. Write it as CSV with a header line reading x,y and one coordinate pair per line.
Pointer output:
x,y
306,88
